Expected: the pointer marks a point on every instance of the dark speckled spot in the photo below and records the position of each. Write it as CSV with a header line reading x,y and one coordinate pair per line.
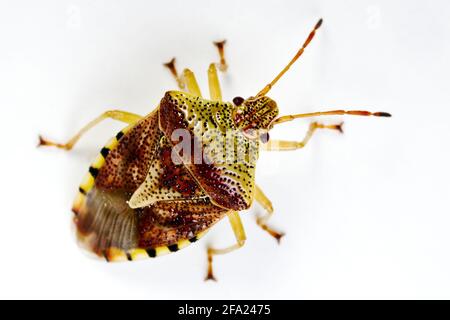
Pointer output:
x,y
104,152
151,252
119,135
93,171
193,239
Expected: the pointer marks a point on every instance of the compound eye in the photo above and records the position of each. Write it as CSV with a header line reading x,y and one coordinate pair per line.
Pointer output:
x,y
238,101
264,137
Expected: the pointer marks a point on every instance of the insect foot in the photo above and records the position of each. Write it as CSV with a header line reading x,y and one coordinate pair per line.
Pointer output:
x,y
223,66
46,143
261,221
210,275
173,70
42,142
338,127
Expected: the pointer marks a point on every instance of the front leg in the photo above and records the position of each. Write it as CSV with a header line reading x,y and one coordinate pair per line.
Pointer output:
x,y
215,92
173,70
223,66
187,81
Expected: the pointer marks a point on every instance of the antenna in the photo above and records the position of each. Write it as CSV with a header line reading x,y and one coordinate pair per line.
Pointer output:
x,y
267,88
329,113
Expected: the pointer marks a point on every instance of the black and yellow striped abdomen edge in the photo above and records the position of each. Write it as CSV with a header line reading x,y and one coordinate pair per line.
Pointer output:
x,y
116,254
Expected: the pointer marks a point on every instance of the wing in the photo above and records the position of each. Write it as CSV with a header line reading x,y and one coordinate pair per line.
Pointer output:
x,y
227,170
165,180
107,225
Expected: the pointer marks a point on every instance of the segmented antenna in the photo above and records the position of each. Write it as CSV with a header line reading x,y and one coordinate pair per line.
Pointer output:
x,y
267,88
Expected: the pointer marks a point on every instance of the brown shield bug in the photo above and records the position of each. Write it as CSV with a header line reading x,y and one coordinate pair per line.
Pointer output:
x,y
147,193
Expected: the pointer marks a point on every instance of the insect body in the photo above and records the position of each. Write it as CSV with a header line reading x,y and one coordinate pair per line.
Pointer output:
x,y
168,177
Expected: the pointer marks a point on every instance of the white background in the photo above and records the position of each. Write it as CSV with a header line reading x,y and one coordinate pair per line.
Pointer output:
x,y
366,213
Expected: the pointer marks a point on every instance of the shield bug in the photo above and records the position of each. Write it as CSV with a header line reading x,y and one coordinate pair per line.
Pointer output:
x,y
147,193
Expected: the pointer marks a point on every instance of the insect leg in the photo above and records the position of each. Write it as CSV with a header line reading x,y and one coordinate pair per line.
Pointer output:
x,y
191,83
282,145
122,116
214,84
220,47
239,232
262,221
173,70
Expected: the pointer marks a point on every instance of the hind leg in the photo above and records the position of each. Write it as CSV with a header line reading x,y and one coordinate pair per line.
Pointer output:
x,y
239,232
262,199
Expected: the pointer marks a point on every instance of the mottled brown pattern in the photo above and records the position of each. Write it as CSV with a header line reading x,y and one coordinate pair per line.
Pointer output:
x,y
165,223
220,183
127,165
105,220
165,180
176,176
